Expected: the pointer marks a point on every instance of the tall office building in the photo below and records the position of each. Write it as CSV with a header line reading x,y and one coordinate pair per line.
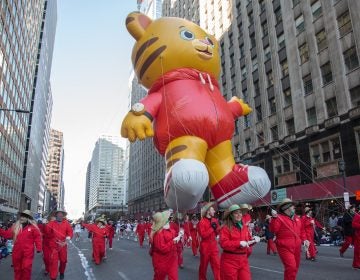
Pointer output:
x,y
188,9
297,64
37,145
55,168
20,27
107,188
87,187
145,167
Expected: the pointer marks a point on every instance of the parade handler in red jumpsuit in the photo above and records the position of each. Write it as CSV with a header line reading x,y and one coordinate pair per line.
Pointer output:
x,y
289,233
99,232
348,229
46,243
356,227
59,232
271,247
234,240
208,230
26,236
194,235
140,231
163,240
309,226
111,232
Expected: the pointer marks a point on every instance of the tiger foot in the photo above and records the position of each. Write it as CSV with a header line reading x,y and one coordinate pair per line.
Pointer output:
x,y
185,183
244,184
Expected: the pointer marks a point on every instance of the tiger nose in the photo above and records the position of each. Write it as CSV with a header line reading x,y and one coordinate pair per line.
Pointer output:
x,y
205,41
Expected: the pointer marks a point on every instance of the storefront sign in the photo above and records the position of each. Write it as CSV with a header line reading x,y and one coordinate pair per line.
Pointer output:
x,y
278,195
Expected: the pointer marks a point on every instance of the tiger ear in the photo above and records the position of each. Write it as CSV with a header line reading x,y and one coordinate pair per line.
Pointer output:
x,y
136,24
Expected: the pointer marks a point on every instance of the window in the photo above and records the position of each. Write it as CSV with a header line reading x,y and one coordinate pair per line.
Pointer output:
x,y
355,96
290,126
284,68
331,107
278,17
316,9
344,23
326,73
243,73
257,88
247,121
270,78
267,53
258,113
254,64
308,86
287,97
242,50
295,2
281,41
351,59
311,116
265,29
274,133
251,18
325,151
252,40
260,138
299,24
304,53
248,144
321,40
262,5
272,105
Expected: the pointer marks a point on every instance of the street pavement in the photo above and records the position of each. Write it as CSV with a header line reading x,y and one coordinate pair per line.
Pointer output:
x,y
127,261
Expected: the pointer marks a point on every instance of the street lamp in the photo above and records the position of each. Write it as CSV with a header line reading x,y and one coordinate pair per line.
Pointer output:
x,y
342,169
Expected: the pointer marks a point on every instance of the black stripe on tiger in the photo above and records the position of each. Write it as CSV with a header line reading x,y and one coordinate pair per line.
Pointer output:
x,y
129,19
150,60
175,150
172,162
143,47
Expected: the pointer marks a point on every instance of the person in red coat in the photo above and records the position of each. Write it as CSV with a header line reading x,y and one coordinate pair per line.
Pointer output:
x,y
46,243
194,235
271,247
289,233
245,208
187,234
234,240
26,236
208,230
309,226
356,227
348,229
177,226
140,231
59,231
163,250
99,232
111,232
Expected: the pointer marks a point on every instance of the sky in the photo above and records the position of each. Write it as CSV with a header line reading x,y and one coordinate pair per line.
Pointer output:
x,y
89,79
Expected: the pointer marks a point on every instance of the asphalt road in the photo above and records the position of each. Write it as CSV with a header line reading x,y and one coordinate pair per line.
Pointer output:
x,y
129,262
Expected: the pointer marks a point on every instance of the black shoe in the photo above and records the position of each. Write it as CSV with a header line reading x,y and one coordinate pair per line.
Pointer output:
x,y
62,276
341,254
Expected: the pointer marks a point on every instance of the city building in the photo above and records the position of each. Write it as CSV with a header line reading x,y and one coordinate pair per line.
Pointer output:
x,y
297,64
107,185
20,27
55,168
34,185
87,187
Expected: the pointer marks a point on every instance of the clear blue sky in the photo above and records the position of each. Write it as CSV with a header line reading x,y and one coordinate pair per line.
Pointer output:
x,y
90,77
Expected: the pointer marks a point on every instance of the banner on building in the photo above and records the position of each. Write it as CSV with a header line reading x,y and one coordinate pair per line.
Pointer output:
x,y
278,195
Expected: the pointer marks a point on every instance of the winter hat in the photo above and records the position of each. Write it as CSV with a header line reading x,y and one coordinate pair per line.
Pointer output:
x,y
27,214
159,220
205,208
231,209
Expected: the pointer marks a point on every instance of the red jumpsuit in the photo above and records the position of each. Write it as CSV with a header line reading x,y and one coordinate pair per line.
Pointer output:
x,y
187,234
57,232
140,231
45,246
289,236
309,229
23,251
98,241
234,259
195,238
246,221
209,251
179,245
164,255
356,227
111,231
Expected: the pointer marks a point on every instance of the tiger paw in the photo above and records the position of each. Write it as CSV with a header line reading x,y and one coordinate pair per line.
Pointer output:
x,y
246,109
244,184
185,183
136,127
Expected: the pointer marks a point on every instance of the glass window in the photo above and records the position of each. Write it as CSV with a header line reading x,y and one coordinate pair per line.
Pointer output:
x,y
274,133
267,53
308,86
257,88
350,58
295,2
247,121
311,116
254,64
260,138
316,9
287,97
300,24
284,68
270,78
304,53
258,113
321,40
243,73
252,40
326,73
262,5
278,17
344,23
251,18
290,126
355,96
277,165
331,107
248,144
281,41
272,105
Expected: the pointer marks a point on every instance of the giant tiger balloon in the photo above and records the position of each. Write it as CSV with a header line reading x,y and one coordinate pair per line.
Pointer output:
x,y
184,110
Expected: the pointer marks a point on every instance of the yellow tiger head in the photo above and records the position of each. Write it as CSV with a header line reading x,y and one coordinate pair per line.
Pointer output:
x,y
169,43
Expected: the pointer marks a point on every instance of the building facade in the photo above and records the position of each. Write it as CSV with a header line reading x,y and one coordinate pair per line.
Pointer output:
x,y
20,27
297,64
107,185
87,187
55,168
37,144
